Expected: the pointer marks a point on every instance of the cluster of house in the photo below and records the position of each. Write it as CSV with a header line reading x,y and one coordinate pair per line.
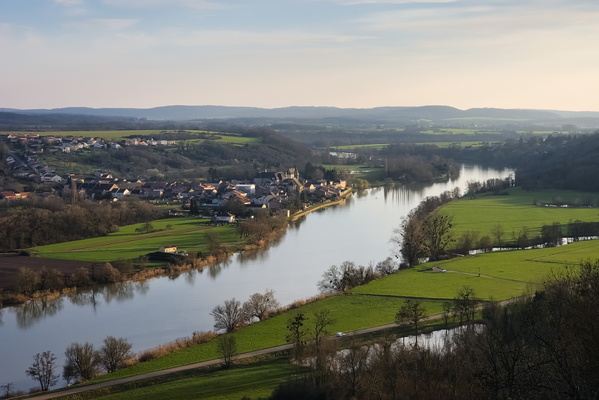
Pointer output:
x,y
28,167
37,144
270,190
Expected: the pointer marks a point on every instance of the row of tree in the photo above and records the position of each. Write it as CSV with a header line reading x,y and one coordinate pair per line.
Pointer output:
x,y
425,232
39,221
82,362
349,275
30,280
232,313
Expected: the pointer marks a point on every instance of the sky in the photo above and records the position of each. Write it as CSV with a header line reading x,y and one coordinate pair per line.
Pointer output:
x,y
539,54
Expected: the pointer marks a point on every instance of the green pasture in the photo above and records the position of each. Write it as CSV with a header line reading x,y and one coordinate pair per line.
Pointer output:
x,y
107,135
456,131
375,146
186,233
232,138
256,380
516,210
503,274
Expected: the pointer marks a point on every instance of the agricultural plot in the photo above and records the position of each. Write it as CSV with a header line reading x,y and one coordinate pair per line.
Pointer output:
x,y
256,380
517,210
503,275
185,233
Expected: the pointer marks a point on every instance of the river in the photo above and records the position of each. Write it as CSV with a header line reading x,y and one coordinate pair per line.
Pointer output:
x,y
162,309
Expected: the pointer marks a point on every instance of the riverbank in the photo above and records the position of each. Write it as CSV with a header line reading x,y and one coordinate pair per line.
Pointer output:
x,y
342,197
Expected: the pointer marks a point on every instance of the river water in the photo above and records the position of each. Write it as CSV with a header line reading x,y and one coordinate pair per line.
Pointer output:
x,y
162,309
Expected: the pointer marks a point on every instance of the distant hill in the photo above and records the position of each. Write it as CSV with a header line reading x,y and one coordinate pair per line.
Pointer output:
x,y
382,115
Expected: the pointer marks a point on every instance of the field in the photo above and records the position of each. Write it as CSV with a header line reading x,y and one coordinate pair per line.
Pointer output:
x,y
518,209
503,275
255,380
232,138
186,233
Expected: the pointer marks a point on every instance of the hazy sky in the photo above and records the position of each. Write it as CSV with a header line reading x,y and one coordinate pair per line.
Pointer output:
x,y
276,53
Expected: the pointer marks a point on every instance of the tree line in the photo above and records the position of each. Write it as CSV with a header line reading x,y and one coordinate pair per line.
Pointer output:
x,y
38,221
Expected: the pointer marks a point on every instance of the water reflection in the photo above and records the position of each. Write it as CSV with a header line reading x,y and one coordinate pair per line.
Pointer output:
x,y
34,310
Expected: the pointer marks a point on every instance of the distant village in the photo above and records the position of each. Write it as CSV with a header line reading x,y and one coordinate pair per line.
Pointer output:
x,y
269,190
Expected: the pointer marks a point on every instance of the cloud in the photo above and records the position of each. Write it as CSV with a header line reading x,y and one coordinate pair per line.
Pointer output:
x,y
196,4
102,24
69,2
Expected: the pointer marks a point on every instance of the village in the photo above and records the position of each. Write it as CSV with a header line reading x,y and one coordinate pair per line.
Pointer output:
x,y
273,190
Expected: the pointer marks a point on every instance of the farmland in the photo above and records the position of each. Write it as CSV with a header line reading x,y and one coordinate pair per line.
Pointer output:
x,y
186,233
232,138
518,209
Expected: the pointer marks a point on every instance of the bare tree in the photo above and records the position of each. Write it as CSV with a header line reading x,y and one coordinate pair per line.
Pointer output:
x,y
467,242
259,305
386,267
82,360
412,311
228,316
43,370
114,352
322,322
436,229
409,239
227,348
498,233
297,335
465,304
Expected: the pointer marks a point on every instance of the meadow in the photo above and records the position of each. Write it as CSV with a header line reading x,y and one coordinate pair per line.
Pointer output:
x,y
187,233
232,138
517,209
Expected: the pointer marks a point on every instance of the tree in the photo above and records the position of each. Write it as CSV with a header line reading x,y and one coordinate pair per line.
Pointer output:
x,y
412,311
473,187
114,352
259,305
322,322
552,234
467,242
410,240
297,335
436,229
386,267
228,316
43,370
226,346
498,232
465,304
82,360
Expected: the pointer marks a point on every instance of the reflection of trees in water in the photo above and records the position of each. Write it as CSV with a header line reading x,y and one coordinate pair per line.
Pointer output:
x,y
85,297
295,224
142,287
253,255
34,310
1,322
190,276
215,270
118,291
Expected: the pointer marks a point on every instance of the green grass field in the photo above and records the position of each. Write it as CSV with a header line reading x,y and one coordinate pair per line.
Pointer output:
x,y
186,233
255,380
517,210
232,138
